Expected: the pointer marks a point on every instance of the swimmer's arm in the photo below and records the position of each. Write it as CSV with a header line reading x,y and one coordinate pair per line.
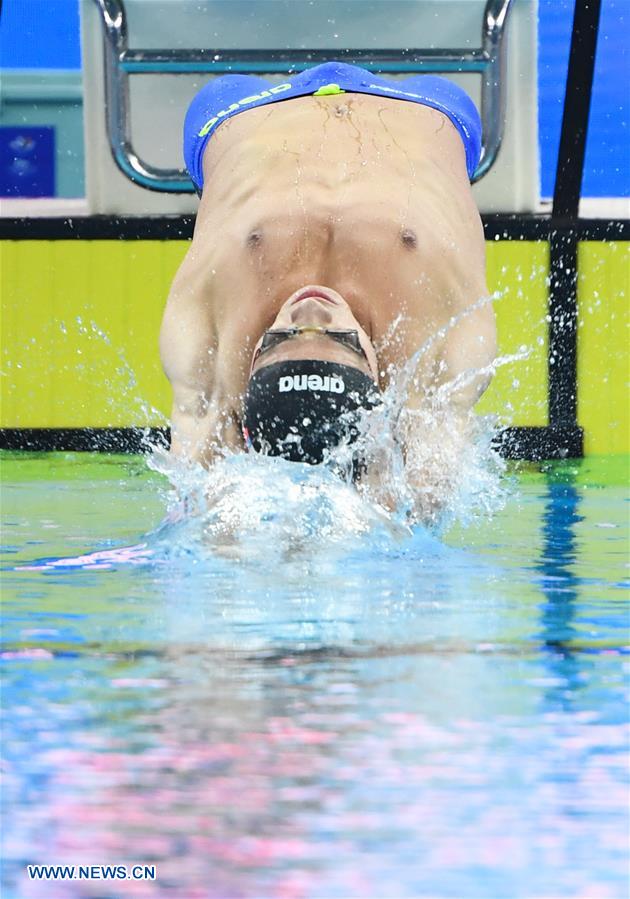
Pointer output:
x,y
438,423
466,369
199,430
201,424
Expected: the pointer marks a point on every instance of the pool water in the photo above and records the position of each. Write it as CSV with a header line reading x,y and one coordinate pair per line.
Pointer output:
x,y
327,708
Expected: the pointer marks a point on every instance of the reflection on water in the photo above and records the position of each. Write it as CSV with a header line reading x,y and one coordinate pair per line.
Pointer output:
x,y
560,587
385,715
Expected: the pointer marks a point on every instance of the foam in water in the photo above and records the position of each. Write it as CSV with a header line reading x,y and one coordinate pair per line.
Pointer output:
x,y
270,506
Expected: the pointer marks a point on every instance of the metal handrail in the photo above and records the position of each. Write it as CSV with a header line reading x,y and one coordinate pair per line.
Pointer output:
x,y
121,62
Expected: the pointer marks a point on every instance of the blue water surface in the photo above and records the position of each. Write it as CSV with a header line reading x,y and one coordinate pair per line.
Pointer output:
x,y
318,704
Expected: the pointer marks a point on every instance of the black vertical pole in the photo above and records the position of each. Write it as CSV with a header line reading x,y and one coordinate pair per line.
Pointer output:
x,y
562,358
563,241
577,103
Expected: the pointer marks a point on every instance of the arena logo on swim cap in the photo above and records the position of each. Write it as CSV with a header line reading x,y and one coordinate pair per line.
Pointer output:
x,y
327,384
278,89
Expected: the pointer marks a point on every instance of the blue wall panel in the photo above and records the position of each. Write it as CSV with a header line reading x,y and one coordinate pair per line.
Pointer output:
x,y
606,167
38,34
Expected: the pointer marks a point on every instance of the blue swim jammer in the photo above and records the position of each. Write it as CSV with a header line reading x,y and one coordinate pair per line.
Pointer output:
x,y
228,95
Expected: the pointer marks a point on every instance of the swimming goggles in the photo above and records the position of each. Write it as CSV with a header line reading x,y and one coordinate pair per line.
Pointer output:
x,y
273,338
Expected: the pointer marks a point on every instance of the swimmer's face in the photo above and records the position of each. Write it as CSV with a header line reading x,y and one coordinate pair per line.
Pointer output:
x,y
319,307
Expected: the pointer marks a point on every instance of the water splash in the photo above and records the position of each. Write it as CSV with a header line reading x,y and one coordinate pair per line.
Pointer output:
x,y
118,375
429,460
430,464
264,508
433,464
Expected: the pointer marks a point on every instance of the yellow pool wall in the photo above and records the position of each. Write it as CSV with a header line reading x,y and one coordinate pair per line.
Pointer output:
x,y
80,323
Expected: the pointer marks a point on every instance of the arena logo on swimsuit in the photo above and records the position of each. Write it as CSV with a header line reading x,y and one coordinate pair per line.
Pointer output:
x,y
328,384
278,89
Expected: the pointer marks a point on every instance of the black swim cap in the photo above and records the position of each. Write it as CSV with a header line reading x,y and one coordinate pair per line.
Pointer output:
x,y
300,408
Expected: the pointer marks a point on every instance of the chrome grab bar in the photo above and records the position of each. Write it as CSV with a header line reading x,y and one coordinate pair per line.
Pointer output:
x,y
120,63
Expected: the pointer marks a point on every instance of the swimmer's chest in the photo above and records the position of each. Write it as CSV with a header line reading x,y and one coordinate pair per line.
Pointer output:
x,y
380,268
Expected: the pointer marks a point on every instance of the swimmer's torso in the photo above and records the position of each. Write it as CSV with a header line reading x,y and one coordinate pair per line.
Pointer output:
x,y
365,194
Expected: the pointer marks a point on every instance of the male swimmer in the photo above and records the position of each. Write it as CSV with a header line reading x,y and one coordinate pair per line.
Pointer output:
x,y
336,234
